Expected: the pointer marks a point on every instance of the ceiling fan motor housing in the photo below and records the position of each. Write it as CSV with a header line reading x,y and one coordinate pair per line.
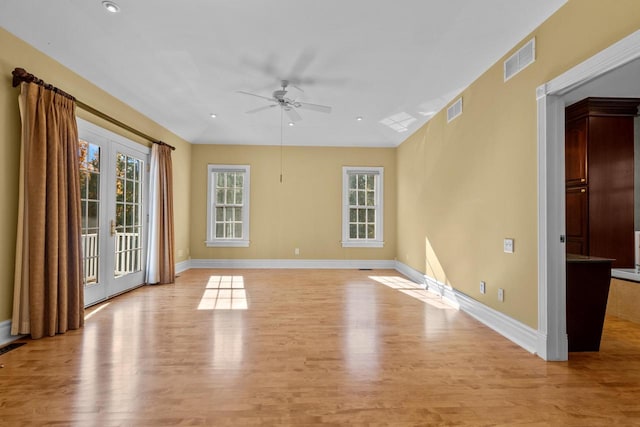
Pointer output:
x,y
279,94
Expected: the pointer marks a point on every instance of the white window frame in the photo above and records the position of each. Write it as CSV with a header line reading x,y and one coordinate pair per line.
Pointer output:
x,y
212,240
378,242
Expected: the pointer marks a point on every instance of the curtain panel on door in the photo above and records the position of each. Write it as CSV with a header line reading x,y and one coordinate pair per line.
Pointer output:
x,y
48,289
160,256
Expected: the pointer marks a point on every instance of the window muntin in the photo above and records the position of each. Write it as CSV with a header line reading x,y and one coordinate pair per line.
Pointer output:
x,y
362,207
90,200
228,207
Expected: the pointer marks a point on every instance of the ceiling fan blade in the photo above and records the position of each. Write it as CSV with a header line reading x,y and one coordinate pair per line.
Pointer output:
x,y
302,63
314,107
256,95
266,107
293,114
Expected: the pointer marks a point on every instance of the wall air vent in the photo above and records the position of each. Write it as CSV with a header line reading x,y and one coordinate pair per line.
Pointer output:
x,y
520,60
454,110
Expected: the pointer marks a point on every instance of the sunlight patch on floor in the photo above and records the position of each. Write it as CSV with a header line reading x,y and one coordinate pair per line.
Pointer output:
x,y
413,290
88,315
224,293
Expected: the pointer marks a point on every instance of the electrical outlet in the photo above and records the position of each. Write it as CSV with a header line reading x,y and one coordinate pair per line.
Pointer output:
x,y
296,251
483,287
508,246
500,294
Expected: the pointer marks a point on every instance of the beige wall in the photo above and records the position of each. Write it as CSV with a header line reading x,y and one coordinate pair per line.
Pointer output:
x,y
474,180
303,212
15,53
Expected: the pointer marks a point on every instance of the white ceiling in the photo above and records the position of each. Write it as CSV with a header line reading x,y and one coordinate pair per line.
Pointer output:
x,y
622,82
179,61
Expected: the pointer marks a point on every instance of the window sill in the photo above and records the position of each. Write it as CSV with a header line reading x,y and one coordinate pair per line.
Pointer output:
x,y
362,244
227,243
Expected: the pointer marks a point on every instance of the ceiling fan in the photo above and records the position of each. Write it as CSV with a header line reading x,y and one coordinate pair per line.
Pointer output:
x,y
288,105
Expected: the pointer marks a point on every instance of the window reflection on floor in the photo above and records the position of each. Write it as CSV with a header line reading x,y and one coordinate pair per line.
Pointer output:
x,y
224,293
361,340
96,310
412,289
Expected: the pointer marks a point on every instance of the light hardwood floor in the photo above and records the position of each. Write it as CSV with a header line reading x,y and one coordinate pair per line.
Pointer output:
x,y
307,347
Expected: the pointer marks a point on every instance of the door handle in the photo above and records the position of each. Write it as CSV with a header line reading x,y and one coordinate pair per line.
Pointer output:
x,y
112,227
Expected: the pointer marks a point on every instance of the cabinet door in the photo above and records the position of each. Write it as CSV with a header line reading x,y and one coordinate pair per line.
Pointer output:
x,y
575,162
611,188
577,220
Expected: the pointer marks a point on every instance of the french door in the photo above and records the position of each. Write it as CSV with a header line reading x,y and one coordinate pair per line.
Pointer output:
x,y
113,184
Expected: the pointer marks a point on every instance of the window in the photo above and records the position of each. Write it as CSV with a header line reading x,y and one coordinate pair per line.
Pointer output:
x,y
362,207
228,206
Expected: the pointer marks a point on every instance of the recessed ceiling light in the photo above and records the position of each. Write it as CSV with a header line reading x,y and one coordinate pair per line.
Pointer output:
x,y
213,115
291,123
111,6
359,118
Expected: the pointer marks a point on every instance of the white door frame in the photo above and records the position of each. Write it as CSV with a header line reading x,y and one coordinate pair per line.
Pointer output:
x,y
108,141
552,332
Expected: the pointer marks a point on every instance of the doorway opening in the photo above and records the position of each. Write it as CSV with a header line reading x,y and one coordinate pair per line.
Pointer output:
x,y
594,75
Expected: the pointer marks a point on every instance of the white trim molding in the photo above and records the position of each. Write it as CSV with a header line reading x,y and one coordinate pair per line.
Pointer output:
x,y
515,331
293,263
552,336
347,241
519,333
5,333
212,240
446,292
183,266
411,273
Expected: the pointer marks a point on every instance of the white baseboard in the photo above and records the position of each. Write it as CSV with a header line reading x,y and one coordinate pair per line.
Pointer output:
x,y
183,266
447,293
5,333
292,263
411,273
521,334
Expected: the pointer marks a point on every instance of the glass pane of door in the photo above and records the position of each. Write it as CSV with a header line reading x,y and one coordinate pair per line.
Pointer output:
x,y
128,219
90,201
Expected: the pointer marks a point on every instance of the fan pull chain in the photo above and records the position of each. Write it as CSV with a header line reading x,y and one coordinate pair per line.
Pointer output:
x,y
281,132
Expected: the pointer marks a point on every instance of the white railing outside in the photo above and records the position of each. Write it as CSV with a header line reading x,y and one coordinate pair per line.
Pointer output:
x,y
128,255
90,262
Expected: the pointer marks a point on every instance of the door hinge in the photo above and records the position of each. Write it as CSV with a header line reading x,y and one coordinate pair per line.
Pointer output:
x,y
562,238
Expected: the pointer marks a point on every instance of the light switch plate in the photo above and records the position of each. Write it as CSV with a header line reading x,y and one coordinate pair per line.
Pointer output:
x,y
508,246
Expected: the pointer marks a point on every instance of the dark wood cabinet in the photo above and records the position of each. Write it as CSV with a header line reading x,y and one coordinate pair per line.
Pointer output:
x,y
588,280
599,162
576,152
577,203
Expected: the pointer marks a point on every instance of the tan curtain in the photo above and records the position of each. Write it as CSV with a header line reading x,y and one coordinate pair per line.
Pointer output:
x,y
48,289
160,259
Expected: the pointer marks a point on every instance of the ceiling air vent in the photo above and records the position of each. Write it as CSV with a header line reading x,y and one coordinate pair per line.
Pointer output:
x,y
454,110
520,60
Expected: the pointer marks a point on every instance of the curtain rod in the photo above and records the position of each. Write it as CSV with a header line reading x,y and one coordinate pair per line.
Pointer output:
x,y
20,75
